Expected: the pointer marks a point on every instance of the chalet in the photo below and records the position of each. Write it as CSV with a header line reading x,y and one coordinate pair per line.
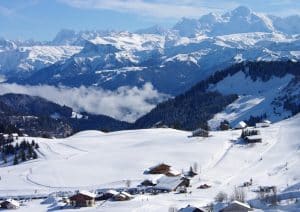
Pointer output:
x,y
253,139
237,206
122,196
172,183
10,204
200,133
240,125
264,123
190,208
83,199
161,168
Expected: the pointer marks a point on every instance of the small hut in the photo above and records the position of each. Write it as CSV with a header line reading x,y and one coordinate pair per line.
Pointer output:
x,y
200,133
83,199
237,206
240,125
10,204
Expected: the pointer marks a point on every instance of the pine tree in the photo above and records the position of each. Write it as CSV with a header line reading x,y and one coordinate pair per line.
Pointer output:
x,y
16,161
23,155
34,155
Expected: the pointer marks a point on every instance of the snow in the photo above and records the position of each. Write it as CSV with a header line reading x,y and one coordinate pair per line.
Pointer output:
x,y
255,98
93,160
28,58
87,193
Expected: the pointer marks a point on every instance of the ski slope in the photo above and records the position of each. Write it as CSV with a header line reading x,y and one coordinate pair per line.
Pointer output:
x,y
96,160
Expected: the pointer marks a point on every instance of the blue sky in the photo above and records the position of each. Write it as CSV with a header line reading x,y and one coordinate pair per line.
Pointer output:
x,y
42,19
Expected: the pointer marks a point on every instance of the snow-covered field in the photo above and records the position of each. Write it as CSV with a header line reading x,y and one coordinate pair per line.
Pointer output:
x,y
95,160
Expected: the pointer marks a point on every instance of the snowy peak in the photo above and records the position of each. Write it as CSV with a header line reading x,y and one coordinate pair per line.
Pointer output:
x,y
7,45
239,20
156,30
65,37
187,27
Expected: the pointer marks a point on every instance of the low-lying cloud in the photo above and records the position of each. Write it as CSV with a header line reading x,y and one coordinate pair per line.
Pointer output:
x,y
125,103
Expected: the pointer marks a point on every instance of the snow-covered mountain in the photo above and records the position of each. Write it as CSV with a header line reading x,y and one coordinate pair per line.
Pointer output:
x,y
190,51
17,59
247,91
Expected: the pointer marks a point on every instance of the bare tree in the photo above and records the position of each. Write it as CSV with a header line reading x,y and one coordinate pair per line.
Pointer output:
x,y
195,167
221,197
239,194
172,209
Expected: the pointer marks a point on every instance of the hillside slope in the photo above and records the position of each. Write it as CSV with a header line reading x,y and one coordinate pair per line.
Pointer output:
x,y
245,90
36,116
107,160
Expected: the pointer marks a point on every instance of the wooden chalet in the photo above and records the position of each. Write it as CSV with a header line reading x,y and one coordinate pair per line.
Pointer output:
x,y
10,204
237,206
83,199
161,168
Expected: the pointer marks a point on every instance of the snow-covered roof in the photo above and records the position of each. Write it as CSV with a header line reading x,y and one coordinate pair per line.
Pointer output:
x,y
266,122
169,183
241,124
87,193
111,191
126,194
254,137
190,208
241,204
13,202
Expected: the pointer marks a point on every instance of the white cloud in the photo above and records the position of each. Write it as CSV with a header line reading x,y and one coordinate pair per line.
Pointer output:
x,y
184,8
126,103
160,9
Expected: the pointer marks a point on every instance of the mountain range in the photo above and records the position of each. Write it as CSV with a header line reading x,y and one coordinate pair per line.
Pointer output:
x,y
189,52
204,63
